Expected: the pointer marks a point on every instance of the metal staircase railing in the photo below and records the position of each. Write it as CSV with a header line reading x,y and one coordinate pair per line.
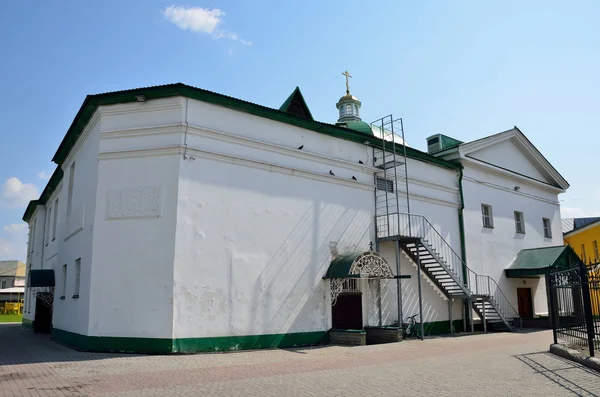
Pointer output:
x,y
477,286
486,287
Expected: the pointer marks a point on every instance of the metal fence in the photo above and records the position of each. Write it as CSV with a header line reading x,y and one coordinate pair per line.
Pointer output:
x,y
575,306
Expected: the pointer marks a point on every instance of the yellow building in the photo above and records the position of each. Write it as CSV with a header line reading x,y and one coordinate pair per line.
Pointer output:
x,y
584,237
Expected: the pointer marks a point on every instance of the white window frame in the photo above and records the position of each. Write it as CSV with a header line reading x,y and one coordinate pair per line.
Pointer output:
x,y
32,239
583,254
519,222
487,219
596,253
64,281
547,227
77,278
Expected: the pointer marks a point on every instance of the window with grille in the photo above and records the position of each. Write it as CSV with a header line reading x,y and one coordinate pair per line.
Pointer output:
x,y
385,185
547,228
486,215
519,222
583,256
596,254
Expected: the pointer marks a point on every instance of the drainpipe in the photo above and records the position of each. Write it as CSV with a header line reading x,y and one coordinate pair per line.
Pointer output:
x,y
461,225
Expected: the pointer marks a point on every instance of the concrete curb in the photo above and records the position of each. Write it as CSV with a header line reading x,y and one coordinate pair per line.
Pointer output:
x,y
574,355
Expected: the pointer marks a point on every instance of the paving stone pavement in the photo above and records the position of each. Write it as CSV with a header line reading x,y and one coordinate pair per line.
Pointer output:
x,y
501,364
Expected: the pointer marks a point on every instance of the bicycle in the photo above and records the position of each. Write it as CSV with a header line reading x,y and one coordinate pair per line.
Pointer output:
x,y
411,328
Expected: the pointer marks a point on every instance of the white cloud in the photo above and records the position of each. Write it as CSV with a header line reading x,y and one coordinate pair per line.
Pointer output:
x,y
13,242
44,175
201,20
15,229
17,194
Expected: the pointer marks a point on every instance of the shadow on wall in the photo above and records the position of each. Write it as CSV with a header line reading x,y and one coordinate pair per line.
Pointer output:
x,y
290,293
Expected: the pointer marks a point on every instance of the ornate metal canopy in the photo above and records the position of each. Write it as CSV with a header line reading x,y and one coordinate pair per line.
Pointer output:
x,y
369,265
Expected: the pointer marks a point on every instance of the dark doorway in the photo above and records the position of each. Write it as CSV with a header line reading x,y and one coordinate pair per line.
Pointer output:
x,y
347,312
525,302
43,314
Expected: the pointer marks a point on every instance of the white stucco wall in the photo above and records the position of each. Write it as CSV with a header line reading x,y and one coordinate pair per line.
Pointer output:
x,y
256,219
74,239
490,251
135,220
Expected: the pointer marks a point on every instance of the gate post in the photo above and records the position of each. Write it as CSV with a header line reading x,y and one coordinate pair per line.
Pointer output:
x,y
587,307
552,305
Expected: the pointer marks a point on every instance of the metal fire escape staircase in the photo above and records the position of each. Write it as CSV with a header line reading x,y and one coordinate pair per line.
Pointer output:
x,y
420,240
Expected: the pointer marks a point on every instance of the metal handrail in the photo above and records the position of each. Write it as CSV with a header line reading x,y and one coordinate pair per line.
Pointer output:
x,y
476,284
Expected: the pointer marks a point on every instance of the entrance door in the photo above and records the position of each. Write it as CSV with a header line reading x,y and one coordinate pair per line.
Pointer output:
x,y
43,316
525,302
347,311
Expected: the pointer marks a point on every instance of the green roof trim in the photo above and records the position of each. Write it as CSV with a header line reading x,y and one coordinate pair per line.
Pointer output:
x,y
341,264
296,105
538,261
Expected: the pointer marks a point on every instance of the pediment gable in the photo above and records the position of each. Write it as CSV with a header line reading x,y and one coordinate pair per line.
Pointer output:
x,y
512,151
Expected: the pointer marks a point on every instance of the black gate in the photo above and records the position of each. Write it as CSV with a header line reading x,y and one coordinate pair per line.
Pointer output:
x,y
575,306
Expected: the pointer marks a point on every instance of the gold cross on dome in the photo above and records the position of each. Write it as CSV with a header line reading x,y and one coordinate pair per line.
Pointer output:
x,y
347,74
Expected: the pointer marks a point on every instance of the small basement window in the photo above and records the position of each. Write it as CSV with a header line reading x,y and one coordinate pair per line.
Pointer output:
x,y
385,184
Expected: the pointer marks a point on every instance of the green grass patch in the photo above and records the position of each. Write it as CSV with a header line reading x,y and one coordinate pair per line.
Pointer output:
x,y
11,318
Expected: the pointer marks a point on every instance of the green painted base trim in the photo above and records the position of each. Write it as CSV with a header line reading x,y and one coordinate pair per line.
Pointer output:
x,y
442,327
246,342
187,345
27,323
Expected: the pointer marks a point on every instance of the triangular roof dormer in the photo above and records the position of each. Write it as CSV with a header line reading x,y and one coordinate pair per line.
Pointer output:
x,y
296,105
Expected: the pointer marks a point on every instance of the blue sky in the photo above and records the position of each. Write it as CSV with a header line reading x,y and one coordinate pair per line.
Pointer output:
x,y
463,68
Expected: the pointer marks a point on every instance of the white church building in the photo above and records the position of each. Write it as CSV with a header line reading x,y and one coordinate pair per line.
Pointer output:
x,y
183,220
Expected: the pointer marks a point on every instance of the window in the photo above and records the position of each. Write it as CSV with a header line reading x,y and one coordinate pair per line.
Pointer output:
x,y
32,237
70,191
519,222
547,228
583,256
64,282
385,184
77,278
349,110
47,231
595,244
486,215
55,220
3,285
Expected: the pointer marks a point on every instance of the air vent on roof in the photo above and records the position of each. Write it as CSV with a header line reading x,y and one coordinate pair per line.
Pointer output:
x,y
437,143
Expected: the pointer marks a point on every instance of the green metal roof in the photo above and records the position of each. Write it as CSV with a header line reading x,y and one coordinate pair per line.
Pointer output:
x,y
359,126
341,264
538,261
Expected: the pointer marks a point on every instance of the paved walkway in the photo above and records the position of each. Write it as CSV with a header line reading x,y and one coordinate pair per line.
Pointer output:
x,y
483,365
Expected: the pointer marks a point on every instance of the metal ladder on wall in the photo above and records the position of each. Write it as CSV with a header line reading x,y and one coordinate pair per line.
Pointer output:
x,y
421,242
